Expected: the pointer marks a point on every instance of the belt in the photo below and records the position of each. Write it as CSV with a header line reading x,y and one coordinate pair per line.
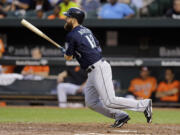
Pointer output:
x,y
92,67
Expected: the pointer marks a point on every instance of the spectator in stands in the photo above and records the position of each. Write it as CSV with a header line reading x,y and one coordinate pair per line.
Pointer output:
x,y
175,11
54,2
20,4
5,6
2,50
90,5
2,14
40,14
41,5
125,1
70,82
115,10
137,3
19,7
5,69
168,90
65,5
8,69
139,6
35,72
55,14
143,86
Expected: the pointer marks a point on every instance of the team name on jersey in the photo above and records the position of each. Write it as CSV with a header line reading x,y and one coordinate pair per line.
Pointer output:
x,y
84,31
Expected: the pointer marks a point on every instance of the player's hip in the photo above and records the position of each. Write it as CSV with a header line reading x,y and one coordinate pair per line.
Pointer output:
x,y
99,64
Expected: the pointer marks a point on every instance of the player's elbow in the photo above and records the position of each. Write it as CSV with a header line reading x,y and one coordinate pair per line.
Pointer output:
x,y
68,58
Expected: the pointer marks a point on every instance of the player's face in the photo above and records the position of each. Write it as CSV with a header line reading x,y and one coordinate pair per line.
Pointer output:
x,y
36,54
112,1
177,5
169,75
144,74
69,24
56,10
66,1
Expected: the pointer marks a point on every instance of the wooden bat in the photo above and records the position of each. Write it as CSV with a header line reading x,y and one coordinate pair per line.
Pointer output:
x,y
39,32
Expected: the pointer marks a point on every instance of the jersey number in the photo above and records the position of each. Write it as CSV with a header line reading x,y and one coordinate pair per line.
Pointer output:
x,y
91,40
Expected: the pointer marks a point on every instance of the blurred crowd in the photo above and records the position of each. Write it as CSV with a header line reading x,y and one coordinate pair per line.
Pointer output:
x,y
108,9
146,86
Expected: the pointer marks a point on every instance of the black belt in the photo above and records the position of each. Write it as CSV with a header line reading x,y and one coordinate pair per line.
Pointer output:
x,y
90,68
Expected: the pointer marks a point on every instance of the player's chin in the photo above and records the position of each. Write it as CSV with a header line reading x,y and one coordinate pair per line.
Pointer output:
x,y
65,25
68,27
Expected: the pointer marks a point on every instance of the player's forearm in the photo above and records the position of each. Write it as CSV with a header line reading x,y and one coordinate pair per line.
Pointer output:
x,y
129,16
43,74
13,7
167,93
64,74
172,92
6,9
160,94
22,5
24,73
132,92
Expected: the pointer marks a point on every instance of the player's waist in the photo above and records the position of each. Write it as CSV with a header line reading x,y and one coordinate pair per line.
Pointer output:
x,y
93,66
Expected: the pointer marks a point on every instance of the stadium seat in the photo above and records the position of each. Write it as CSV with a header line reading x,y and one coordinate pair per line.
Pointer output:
x,y
92,14
164,6
11,14
153,9
159,7
48,13
30,14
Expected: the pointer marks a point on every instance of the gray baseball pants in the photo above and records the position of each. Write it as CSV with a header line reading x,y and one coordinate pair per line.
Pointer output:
x,y
100,94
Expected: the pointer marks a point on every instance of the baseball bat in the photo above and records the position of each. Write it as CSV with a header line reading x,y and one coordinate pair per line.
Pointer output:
x,y
39,32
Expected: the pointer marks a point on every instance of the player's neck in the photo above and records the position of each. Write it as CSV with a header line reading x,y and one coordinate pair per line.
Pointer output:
x,y
75,25
170,80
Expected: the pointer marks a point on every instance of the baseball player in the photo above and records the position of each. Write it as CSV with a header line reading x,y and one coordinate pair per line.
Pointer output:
x,y
99,91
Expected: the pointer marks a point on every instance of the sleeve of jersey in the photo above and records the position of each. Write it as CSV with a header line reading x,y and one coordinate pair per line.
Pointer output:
x,y
69,46
176,84
131,87
154,85
160,87
127,10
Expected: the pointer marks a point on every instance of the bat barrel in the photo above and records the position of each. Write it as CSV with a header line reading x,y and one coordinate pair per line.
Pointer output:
x,y
38,32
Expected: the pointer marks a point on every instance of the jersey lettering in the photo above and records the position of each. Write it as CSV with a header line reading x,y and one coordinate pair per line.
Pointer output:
x,y
91,40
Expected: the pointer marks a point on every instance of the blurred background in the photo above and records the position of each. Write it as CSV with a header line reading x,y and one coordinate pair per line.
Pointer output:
x,y
139,38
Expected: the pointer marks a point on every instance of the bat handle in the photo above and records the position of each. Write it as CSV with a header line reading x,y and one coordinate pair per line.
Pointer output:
x,y
62,50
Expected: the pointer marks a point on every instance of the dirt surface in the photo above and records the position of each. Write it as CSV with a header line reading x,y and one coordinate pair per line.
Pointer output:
x,y
87,129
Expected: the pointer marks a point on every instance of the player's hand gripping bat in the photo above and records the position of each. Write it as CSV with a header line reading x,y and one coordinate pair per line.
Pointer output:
x,y
41,34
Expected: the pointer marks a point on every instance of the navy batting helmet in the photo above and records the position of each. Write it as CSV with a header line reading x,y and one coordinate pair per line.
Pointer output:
x,y
76,13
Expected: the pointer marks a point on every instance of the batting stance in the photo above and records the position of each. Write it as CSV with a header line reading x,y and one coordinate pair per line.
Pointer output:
x,y
99,91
